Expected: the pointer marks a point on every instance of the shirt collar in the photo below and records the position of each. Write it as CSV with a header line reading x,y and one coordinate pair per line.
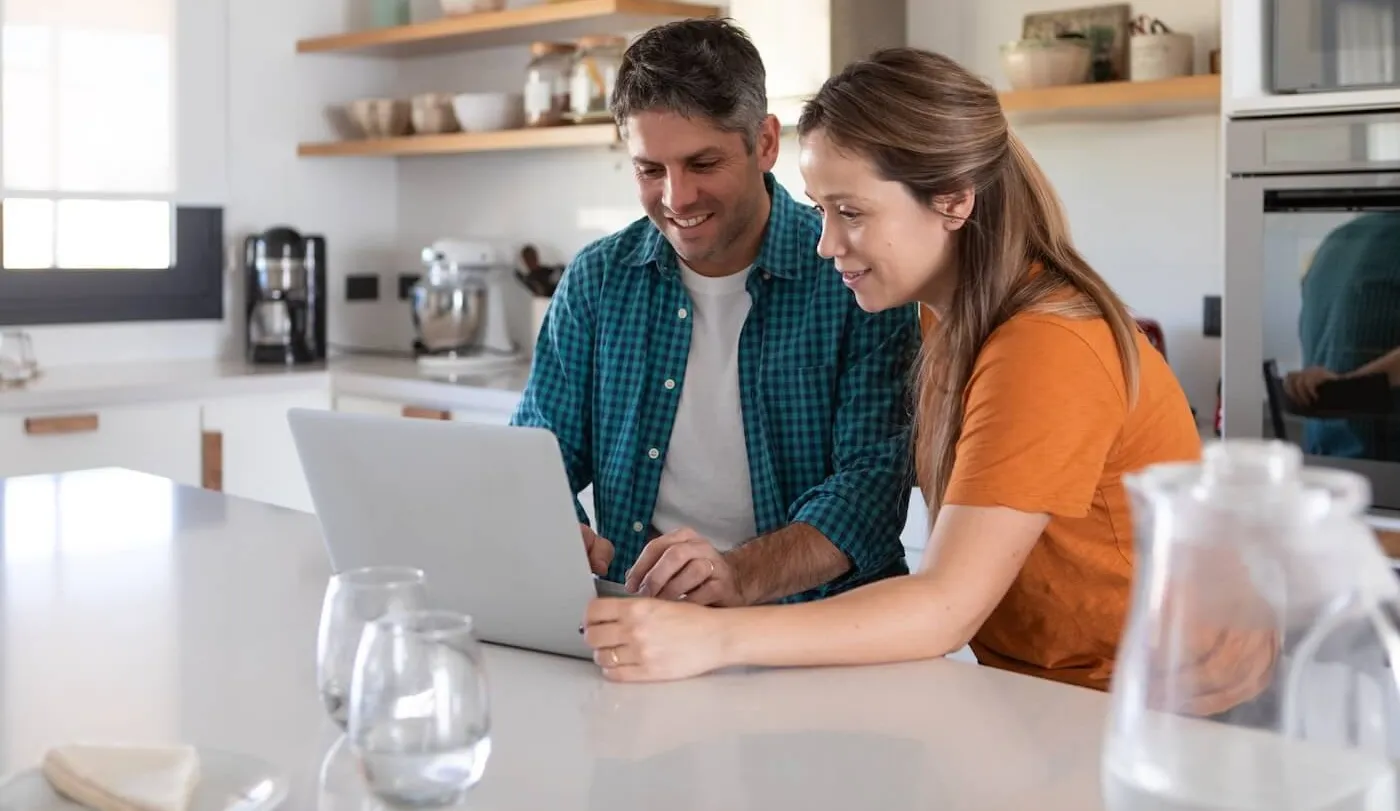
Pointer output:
x,y
785,215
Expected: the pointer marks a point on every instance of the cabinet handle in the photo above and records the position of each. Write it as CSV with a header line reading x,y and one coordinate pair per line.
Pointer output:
x,y
66,424
1390,542
211,449
419,413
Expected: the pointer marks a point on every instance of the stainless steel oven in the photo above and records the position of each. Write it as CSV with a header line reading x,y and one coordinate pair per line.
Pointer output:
x,y
1312,290
1325,45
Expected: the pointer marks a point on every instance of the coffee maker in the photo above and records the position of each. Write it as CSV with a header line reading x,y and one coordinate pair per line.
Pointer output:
x,y
285,275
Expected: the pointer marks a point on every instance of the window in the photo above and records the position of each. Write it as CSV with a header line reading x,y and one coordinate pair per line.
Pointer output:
x,y
89,225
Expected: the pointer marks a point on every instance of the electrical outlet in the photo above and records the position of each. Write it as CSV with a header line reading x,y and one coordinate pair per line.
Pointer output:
x,y
1210,327
406,283
362,287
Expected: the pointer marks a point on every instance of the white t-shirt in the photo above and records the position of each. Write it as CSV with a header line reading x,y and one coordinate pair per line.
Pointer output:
x,y
705,479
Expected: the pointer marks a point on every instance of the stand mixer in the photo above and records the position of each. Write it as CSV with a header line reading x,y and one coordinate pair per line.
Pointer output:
x,y
459,314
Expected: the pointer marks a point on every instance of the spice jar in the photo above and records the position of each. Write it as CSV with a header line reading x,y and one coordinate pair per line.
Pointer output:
x,y
594,74
547,83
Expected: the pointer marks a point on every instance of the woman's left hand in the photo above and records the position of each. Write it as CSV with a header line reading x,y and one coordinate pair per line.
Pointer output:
x,y
643,639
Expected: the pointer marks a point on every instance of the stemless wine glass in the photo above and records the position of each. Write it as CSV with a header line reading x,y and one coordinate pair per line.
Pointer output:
x,y
354,598
419,717
16,357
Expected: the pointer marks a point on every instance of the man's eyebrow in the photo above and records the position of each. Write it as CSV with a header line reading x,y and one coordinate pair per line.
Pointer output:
x,y
707,152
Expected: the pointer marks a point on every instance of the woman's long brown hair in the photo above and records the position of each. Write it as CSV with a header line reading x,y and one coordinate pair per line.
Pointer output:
x,y
926,122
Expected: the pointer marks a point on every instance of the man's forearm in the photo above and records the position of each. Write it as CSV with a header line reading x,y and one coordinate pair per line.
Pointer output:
x,y
1387,364
789,561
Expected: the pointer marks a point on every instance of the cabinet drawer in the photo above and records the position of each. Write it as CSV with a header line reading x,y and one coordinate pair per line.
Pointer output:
x,y
162,440
256,454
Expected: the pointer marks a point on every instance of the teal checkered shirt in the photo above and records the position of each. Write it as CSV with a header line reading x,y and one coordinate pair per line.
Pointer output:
x,y
823,391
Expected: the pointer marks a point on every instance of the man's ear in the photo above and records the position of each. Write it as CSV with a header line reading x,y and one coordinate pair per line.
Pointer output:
x,y
956,208
770,135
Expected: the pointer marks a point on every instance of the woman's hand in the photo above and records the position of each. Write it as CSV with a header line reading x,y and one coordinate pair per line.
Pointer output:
x,y
643,639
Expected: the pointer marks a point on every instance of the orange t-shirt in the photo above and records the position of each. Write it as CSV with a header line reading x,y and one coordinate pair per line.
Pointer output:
x,y
1047,429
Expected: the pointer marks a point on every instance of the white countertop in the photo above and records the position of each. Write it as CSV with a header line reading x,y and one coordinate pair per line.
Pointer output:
x,y
137,609
111,384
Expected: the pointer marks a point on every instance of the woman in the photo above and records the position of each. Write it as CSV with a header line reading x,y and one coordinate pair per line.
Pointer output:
x,y
1036,394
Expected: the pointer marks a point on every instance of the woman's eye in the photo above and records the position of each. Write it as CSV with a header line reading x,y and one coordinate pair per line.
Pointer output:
x,y
849,216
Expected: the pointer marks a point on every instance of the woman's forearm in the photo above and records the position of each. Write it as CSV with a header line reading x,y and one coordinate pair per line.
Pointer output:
x,y
894,620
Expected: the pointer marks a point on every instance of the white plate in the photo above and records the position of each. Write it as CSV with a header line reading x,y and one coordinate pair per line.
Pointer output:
x,y
227,782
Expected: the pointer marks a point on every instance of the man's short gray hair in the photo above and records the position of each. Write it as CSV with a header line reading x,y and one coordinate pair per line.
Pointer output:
x,y
706,68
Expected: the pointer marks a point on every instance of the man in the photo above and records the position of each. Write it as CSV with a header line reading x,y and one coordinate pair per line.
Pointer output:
x,y
708,372
1349,327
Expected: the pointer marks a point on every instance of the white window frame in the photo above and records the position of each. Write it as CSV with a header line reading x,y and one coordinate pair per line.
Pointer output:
x,y
169,196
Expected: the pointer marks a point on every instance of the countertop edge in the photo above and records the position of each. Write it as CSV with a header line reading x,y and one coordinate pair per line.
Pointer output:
x,y
185,382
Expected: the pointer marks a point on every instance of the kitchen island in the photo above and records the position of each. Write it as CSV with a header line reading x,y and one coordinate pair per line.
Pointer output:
x,y
136,608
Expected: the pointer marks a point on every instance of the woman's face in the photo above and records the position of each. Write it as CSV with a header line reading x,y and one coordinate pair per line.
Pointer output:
x,y
889,248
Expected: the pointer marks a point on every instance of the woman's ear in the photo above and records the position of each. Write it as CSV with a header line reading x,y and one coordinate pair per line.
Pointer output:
x,y
956,208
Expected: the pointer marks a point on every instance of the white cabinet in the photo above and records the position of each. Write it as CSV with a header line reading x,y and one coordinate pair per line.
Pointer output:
x,y
358,404
486,416
160,439
803,42
354,404
257,456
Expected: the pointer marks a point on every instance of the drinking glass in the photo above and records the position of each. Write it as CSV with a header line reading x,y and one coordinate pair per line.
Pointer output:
x,y
419,717
16,357
354,598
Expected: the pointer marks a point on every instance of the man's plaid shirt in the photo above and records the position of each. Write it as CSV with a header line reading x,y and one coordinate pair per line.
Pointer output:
x,y
823,390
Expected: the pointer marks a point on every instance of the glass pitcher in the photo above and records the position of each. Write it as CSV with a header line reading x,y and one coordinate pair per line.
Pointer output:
x,y
1257,669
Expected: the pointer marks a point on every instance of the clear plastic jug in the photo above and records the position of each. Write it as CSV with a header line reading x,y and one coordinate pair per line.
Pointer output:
x,y
1258,666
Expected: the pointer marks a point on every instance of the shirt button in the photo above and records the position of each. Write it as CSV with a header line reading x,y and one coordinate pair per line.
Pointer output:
x,y
767,275
636,526
669,384
654,453
681,313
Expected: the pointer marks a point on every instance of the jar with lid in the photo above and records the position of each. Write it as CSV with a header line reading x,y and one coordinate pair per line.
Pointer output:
x,y
547,83
594,74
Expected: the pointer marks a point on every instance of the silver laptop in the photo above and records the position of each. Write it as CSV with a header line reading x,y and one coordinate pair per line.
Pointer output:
x,y
484,510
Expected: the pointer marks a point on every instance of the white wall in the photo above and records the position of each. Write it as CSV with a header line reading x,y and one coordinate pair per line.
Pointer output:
x,y
245,99
1145,199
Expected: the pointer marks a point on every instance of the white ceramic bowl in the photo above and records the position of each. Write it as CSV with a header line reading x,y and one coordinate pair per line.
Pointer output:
x,y
484,112
452,7
1032,63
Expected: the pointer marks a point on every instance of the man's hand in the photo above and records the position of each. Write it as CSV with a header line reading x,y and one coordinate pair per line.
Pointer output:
x,y
599,549
682,565
1302,385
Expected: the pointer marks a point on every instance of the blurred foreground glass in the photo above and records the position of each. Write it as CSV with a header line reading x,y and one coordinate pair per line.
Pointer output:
x,y
17,363
419,717
1258,667
353,599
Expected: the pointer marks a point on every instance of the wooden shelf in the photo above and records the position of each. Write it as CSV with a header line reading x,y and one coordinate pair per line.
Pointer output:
x,y
1186,95
558,20
459,142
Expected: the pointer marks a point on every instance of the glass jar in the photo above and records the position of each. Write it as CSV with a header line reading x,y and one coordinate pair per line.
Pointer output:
x,y
547,83
593,76
390,13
